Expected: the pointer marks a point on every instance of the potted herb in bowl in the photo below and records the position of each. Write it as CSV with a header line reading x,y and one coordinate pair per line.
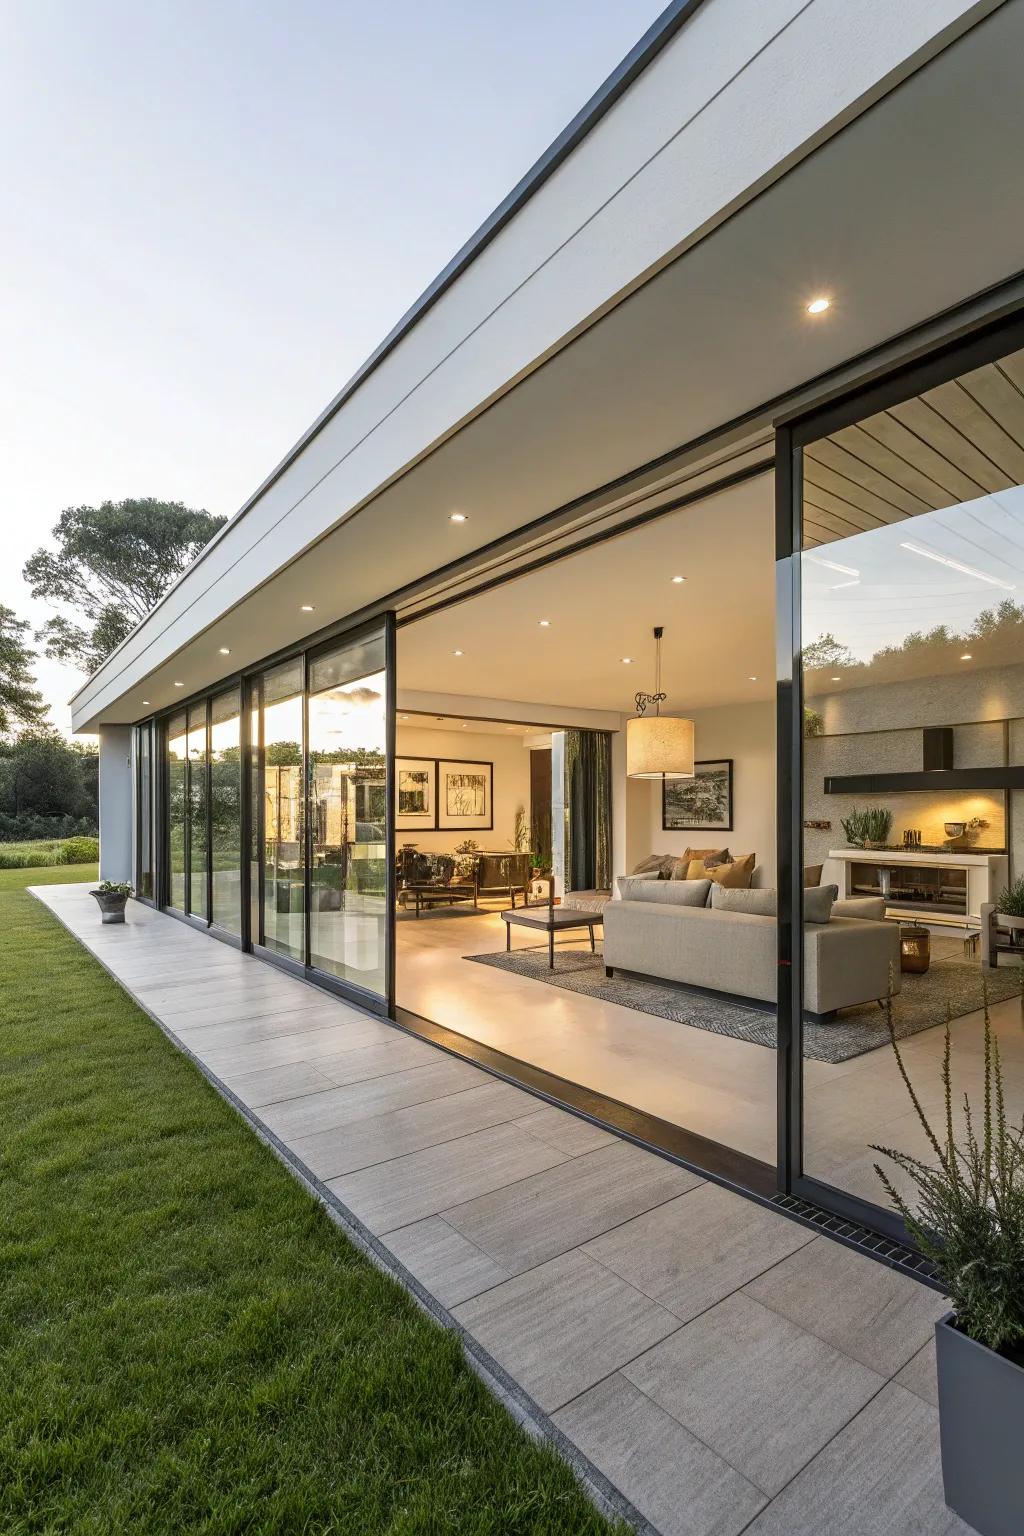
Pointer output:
x,y
967,1216
868,828
1010,909
111,896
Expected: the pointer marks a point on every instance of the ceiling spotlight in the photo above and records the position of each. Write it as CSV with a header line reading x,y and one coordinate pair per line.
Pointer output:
x,y
145,701
225,650
751,679
627,660
403,717
179,685
458,653
967,656
456,517
837,679
544,623
677,581
465,727
307,607
819,305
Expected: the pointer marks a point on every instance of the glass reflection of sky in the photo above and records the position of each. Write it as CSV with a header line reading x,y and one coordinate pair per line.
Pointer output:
x,y
871,591
348,717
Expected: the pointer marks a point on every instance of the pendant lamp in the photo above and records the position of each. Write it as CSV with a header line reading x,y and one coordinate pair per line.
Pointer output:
x,y
658,746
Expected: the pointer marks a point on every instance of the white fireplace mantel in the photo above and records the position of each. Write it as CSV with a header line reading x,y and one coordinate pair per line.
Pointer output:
x,y
987,874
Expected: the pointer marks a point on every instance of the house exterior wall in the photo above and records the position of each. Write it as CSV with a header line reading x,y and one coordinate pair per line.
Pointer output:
x,y
117,802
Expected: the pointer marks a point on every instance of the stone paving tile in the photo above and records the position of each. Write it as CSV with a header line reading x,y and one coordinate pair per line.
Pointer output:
x,y
918,1375
562,1327
569,1133
368,1097
676,1483
754,1387
449,1266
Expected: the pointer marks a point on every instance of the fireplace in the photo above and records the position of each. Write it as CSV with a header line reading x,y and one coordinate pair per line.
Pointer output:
x,y
917,887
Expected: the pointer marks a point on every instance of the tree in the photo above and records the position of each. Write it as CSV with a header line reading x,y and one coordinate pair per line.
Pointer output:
x,y
827,651
111,565
44,774
21,703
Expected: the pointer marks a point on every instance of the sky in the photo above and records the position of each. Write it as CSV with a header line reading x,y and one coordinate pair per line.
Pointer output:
x,y
215,210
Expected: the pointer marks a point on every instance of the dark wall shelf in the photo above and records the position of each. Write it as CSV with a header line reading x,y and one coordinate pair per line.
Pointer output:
x,y
938,780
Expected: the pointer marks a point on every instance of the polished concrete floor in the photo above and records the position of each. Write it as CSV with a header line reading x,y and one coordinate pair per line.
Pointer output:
x,y
711,1367
721,1088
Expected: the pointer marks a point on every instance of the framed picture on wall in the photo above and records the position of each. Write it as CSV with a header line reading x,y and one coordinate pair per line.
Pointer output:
x,y
700,804
464,796
415,794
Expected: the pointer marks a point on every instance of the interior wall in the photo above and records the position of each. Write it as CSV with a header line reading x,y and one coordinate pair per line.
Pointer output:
x,y
746,733
511,782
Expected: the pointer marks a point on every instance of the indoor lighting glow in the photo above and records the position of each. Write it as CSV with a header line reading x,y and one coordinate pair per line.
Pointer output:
x,y
658,746
145,701
837,679
956,565
751,679
677,581
544,623
179,685
818,306
456,517
225,650
627,661
967,656
307,607
457,653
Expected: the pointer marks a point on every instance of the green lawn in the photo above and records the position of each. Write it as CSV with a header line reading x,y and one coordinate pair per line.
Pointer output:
x,y
187,1343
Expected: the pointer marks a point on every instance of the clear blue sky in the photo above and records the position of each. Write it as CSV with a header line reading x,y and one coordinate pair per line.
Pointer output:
x,y
214,210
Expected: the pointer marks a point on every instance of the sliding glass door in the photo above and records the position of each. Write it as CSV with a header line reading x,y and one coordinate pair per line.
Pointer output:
x,y
905,713
282,813
226,811
176,779
347,779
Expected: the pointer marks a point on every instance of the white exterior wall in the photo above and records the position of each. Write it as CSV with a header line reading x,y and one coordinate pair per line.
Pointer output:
x,y
745,90
117,818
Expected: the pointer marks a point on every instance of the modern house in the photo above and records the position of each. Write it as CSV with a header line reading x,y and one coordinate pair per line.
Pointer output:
x,y
741,361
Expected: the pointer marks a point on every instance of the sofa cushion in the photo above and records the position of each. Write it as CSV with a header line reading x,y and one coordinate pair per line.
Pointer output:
x,y
660,864
672,893
627,884
737,874
818,901
867,908
812,874
731,899
715,855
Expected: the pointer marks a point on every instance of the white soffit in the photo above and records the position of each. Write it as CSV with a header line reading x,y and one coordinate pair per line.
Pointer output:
x,y
717,333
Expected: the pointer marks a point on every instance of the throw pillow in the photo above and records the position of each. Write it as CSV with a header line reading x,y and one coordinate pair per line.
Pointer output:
x,y
812,874
738,874
673,893
656,863
699,860
762,903
818,903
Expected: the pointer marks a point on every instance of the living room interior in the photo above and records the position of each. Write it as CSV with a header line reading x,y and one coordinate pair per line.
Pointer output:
x,y
651,1006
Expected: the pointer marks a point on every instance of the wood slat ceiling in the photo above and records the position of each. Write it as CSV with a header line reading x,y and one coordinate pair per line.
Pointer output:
x,y
954,443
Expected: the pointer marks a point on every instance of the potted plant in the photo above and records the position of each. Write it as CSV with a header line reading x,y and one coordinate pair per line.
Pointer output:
x,y
868,828
465,860
1010,909
968,1219
111,896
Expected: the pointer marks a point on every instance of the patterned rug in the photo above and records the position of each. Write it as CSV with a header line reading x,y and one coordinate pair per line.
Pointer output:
x,y
920,1005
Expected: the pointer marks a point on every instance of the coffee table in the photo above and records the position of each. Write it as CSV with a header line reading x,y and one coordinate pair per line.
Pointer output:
x,y
550,920
429,895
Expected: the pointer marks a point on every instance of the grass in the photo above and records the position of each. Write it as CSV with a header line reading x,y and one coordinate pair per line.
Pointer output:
x,y
187,1343
44,854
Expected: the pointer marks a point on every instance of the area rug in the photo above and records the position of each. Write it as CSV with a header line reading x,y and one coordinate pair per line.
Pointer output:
x,y
430,914
920,1005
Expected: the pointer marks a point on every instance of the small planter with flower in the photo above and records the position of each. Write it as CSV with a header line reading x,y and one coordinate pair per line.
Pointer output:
x,y
111,898
966,1214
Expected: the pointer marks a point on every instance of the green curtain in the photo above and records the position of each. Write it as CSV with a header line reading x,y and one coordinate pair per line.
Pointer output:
x,y
588,810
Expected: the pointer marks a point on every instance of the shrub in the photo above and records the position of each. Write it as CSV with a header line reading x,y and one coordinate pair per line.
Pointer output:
x,y
867,826
1011,899
80,850
968,1214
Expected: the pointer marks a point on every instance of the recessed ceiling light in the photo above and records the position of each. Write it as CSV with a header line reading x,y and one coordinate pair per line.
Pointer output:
x,y
145,701
403,717
465,727
627,660
837,679
677,581
751,679
307,607
544,623
967,656
225,650
179,685
458,653
819,305
456,517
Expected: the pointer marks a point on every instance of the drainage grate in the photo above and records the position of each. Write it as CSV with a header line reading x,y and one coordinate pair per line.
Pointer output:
x,y
896,1255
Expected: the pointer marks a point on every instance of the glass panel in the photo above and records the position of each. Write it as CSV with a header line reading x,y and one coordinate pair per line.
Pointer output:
x,y
144,749
912,667
197,809
255,782
348,813
177,754
283,916
226,810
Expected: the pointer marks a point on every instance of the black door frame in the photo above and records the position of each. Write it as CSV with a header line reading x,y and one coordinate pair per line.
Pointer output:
x,y
984,344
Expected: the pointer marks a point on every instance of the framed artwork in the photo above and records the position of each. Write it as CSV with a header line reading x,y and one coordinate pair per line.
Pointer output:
x,y
464,796
415,794
700,804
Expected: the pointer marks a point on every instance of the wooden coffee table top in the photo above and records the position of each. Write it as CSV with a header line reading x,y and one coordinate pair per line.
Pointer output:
x,y
548,918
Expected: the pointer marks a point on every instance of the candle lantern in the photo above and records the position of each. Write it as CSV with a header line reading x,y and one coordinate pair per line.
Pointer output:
x,y
915,949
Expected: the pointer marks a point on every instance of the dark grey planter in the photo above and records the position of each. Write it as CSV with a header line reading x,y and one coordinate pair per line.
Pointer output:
x,y
111,905
981,1425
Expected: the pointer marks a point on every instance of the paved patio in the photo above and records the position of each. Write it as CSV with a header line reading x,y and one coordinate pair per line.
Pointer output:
x,y
709,1366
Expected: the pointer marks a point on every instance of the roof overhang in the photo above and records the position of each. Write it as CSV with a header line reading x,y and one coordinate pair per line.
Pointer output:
x,y
652,289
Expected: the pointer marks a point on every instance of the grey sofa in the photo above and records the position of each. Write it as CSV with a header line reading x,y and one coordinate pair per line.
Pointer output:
x,y
674,936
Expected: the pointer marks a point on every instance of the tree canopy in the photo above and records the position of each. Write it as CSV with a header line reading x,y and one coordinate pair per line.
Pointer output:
x,y
111,564
21,703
